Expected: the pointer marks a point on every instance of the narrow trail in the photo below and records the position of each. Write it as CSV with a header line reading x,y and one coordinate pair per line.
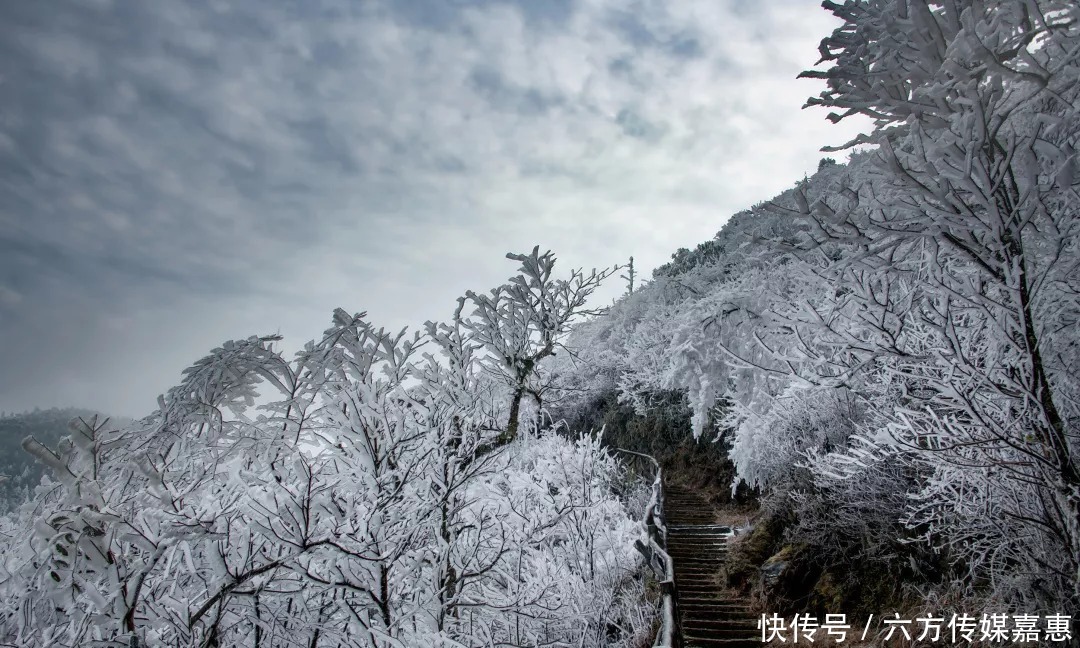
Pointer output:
x,y
708,614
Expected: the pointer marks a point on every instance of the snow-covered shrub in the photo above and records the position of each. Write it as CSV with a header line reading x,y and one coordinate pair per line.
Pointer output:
x,y
367,501
769,447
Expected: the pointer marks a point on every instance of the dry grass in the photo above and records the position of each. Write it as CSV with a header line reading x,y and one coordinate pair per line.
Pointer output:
x,y
735,516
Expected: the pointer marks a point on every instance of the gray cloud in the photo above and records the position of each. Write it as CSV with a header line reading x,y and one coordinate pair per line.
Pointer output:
x,y
680,43
634,125
173,174
506,96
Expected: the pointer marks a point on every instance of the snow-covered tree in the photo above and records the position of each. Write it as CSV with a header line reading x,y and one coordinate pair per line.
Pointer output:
x,y
907,318
525,321
956,259
364,503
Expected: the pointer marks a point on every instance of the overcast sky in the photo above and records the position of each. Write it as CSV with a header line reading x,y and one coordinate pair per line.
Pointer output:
x,y
175,174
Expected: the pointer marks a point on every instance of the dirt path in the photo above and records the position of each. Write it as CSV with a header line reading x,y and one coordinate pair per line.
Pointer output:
x,y
709,615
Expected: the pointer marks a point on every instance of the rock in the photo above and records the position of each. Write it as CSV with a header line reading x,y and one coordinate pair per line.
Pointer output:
x,y
775,566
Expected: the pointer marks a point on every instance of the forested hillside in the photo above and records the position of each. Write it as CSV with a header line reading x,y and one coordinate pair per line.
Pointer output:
x,y
890,347
19,473
881,366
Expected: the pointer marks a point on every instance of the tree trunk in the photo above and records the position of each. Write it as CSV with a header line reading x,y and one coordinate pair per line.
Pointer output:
x,y
515,411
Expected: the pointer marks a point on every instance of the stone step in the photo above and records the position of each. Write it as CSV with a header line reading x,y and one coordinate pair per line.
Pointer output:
x,y
694,539
741,623
706,611
702,596
697,540
718,642
698,547
688,554
703,612
698,561
691,555
697,536
686,602
699,588
691,617
736,632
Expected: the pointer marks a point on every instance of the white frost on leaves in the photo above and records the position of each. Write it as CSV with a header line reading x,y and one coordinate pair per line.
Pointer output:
x,y
894,341
367,504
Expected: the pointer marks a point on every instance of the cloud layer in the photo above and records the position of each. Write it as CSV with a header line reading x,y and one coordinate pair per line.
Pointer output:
x,y
174,174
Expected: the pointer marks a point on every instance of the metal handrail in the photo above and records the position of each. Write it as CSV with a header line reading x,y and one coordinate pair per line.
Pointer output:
x,y
653,545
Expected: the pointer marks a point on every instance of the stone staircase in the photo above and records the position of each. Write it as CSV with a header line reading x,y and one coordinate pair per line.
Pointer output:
x,y
709,616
